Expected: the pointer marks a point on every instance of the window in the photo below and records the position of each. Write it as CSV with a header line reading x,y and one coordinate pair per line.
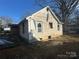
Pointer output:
x,y
58,27
47,14
51,25
49,37
23,28
40,38
39,27
47,9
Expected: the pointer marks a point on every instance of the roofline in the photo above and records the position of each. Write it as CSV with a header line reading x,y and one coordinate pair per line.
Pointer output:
x,y
24,19
51,13
54,15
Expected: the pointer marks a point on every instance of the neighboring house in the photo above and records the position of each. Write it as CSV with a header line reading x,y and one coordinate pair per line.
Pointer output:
x,y
4,26
72,27
41,26
14,29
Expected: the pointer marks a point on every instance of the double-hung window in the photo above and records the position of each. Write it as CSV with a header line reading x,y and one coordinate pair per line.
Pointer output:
x,y
39,26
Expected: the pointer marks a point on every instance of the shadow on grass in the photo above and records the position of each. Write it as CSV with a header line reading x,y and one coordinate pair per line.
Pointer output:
x,y
43,50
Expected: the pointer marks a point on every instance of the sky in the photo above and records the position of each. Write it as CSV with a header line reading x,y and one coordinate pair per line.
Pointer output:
x,y
17,8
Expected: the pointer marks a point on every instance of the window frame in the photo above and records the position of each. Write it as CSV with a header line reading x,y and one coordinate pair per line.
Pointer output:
x,y
51,25
58,27
41,28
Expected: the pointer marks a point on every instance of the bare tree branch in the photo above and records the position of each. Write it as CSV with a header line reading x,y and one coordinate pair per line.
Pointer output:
x,y
65,7
62,8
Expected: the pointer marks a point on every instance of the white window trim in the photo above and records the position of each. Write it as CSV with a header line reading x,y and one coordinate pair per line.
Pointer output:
x,y
37,26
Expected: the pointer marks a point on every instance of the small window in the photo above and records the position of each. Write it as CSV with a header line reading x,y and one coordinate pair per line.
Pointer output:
x,y
40,38
51,25
49,37
39,27
58,27
47,9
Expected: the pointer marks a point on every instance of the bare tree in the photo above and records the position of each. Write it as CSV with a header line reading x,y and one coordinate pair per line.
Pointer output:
x,y
5,21
62,8
77,16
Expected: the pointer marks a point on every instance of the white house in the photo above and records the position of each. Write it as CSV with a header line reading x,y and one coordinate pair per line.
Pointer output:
x,y
41,26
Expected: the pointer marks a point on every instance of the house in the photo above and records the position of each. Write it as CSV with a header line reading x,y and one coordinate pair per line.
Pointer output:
x,y
14,29
72,29
41,26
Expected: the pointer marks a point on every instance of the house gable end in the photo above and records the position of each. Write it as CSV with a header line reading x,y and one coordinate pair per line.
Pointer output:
x,y
54,15
48,9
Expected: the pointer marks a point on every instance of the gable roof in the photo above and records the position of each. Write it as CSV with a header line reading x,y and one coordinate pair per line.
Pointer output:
x,y
53,14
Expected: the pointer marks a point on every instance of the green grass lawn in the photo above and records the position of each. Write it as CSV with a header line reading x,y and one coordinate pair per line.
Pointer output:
x,y
45,50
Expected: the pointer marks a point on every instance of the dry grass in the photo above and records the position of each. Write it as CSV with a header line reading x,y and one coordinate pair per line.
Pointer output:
x,y
68,38
43,50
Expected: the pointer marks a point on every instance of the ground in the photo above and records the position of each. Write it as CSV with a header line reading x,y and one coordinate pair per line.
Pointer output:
x,y
45,50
